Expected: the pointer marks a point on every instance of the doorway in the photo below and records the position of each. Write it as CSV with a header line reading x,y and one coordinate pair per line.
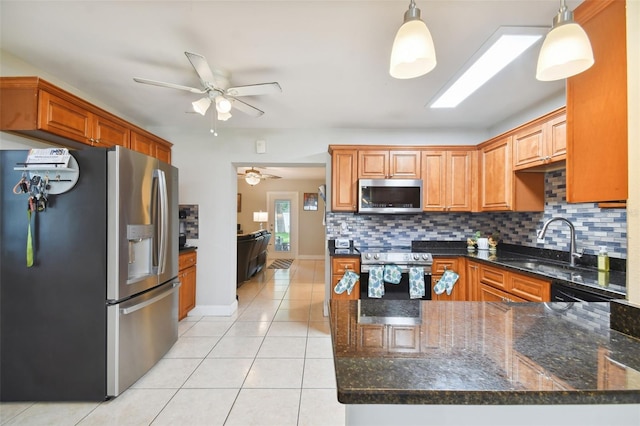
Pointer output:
x,y
283,224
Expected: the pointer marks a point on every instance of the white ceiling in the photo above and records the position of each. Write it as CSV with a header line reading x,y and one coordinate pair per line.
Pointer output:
x,y
330,57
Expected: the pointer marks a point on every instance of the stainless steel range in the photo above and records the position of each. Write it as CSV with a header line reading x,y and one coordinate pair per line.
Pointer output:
x,y
400,257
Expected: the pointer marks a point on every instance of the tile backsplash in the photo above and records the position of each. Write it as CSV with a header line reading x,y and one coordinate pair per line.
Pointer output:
x,y
190,222
594,226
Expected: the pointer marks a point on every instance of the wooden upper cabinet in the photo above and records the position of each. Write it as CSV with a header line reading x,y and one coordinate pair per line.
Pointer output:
x,y
151,145
447,180
496,175
388,164
344,179
108,132
75,121
434,180
64,118
597,138
541,143
500,188
37,108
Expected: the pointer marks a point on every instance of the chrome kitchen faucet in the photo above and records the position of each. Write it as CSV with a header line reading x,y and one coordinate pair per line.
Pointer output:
x,y
572,244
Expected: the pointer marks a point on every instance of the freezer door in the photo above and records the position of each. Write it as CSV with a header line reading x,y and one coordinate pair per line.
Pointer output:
x,y
142,206
139,332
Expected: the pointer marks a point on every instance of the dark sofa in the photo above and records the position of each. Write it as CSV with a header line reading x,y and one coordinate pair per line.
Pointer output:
x,y
252,254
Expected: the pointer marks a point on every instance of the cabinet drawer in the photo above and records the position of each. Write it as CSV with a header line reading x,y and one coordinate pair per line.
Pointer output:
x,y
441,265
494,277
186,260
342,264
529,288
488,293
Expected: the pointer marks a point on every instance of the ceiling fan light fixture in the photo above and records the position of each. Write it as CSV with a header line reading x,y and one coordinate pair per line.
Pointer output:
x,y
224,116
201,105
566,50
252,177
413,53
223,105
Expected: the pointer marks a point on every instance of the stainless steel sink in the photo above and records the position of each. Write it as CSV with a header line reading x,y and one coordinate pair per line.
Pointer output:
x,y
544,266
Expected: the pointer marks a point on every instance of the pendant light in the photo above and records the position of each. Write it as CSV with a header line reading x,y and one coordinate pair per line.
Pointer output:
x,y
566,50
413,53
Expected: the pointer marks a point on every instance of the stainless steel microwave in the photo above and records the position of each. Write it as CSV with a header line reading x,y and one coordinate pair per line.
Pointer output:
x,y
390,196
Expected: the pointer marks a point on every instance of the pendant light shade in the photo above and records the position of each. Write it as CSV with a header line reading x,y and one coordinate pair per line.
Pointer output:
x,y
566,50
413,53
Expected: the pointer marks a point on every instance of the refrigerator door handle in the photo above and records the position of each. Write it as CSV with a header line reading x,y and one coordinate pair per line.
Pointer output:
x,y
132,309
160,219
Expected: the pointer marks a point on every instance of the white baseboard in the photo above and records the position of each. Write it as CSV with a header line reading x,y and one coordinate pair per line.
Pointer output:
x,y
214,310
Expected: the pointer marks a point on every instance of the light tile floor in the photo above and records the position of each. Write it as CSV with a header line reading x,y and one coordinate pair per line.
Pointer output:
x,y
271,363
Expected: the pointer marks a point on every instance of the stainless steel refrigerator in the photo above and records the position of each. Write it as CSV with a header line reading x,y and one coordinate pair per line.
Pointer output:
x,y
99,305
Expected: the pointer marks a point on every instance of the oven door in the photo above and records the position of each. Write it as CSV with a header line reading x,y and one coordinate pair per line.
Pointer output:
x,y
398,291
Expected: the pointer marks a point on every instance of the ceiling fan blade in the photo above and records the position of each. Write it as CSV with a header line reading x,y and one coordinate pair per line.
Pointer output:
x,y
169,85
255,89
200,64
246,108
264,176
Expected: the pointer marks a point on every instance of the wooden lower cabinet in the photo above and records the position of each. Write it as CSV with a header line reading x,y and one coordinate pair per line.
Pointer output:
x,y
488,293
187,276
472,280
455,264
497,284
340,265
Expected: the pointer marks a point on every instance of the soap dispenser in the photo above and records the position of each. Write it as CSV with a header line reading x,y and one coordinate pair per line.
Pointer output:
x,y
603,259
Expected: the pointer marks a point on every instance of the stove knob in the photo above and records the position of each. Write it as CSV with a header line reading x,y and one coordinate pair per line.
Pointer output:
x,y
367,255
376,256
425,256
416,256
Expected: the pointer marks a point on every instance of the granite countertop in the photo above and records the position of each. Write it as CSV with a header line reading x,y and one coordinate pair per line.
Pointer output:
x,y
539,262
484,353
186,249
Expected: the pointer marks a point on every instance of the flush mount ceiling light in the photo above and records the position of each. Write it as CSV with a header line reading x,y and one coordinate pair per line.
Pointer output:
x,y
413,53
566,50
497,52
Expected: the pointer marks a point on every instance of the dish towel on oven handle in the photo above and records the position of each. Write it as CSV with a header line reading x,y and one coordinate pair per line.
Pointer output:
x,y
392,274
446,282
376,283
347,282
416,282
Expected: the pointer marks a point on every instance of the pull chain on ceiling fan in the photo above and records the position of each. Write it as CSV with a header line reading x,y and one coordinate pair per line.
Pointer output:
x,y
215,87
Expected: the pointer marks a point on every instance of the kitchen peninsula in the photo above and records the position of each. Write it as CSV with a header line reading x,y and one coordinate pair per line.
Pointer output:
x,y
405,361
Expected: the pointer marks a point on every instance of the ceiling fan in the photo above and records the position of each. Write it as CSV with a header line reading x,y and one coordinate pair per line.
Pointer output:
x,y
215,88
253,176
